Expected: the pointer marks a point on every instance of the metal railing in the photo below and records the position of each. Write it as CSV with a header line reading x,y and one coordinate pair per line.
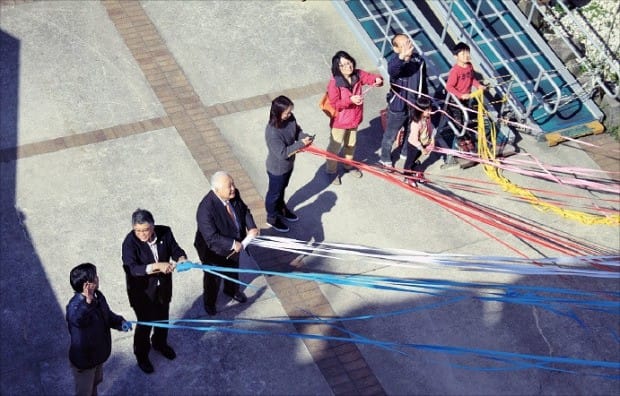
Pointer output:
x,y
589,34
530,103
383,22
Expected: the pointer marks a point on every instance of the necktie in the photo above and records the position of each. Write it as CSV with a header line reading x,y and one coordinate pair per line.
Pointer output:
x,y
231,214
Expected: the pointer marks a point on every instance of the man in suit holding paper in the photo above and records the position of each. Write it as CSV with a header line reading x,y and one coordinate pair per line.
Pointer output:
x,y
224,220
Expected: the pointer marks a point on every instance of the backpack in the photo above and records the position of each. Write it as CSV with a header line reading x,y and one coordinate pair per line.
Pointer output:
x,y
327,107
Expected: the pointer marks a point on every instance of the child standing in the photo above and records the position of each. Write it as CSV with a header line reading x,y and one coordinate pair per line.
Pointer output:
x,y
461,79
89,320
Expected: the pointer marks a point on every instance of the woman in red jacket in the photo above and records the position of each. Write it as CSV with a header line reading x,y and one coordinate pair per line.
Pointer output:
x,y
346,96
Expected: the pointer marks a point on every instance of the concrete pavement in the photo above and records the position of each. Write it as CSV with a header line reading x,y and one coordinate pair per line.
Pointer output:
x,y
113,105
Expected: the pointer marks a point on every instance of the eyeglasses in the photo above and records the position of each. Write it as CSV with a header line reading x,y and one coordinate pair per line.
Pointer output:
x,y
143,229
347,64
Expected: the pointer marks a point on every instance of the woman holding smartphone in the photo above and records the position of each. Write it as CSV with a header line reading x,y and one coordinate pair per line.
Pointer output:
x,y
284,137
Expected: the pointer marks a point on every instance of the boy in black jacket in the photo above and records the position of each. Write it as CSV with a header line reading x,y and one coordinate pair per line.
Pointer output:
x,y
89,320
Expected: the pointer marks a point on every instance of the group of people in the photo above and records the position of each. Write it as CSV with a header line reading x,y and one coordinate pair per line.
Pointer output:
x,y
408,108
150,254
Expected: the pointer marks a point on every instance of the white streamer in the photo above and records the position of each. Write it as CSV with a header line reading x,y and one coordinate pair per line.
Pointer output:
x,y
577,266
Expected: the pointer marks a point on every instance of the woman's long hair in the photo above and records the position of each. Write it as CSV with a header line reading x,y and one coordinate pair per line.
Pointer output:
x,y
336,62
278,106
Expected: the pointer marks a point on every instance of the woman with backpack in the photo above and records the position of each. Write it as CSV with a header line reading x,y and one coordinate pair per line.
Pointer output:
x,y
346,95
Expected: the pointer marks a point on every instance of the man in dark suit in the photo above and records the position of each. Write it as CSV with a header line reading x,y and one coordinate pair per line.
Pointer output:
x,y
224,220
148,253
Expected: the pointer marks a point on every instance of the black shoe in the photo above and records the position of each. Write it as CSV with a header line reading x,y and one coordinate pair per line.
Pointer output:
x,y
238,296
146,365
355,172
167,351
210,309
288,215
278,225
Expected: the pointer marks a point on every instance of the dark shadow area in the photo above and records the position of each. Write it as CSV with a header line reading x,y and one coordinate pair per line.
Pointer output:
x,y
30,312
246,261
319,182
310,225
369,142
532,315
574,3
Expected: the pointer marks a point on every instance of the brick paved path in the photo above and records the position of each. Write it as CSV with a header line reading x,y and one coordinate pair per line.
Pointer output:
x,y
341,363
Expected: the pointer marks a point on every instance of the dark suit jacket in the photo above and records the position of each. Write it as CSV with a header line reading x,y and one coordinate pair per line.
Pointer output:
x,y
217,231
142,287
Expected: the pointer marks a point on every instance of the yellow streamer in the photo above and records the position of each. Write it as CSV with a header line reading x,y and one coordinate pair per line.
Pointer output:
x,y
488,153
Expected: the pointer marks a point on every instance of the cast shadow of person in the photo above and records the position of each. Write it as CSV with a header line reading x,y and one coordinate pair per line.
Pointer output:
x,y
368,144
310,225
319,182
224,302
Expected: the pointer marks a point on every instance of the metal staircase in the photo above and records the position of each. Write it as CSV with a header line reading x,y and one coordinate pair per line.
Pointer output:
x,y
540,91
375,22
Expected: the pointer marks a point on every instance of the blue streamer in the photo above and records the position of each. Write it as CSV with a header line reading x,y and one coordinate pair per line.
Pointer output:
x,y
514,294
514,361
543,297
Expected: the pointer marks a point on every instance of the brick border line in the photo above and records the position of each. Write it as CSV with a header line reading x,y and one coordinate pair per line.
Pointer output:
x,y
178,98
342,364
100,135
607,161
82,139
213,111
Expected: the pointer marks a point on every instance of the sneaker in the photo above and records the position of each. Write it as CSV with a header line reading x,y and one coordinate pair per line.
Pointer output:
x,y
387,166
419,177
278,225
451,163
355,172
410,182
288,215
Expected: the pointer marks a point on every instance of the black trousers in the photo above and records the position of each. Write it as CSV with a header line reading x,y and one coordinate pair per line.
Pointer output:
x,y
211,283
149,311
413,153
458,115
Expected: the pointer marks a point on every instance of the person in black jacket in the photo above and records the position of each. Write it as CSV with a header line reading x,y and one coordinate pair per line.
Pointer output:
x,y
149,256
89,320
224,221
408,80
